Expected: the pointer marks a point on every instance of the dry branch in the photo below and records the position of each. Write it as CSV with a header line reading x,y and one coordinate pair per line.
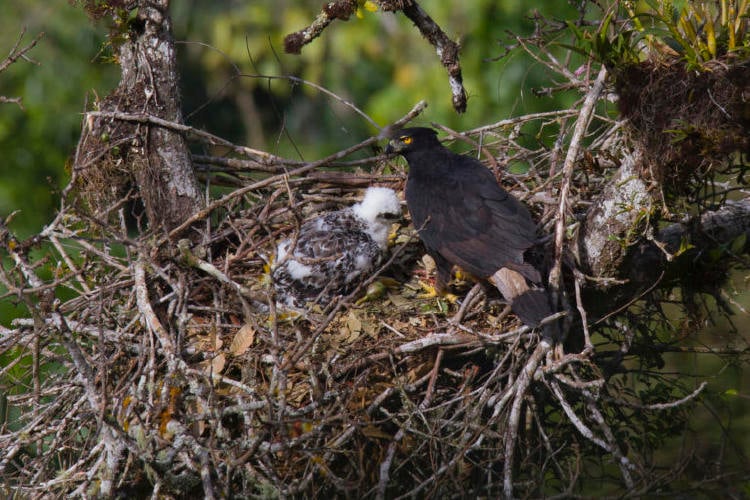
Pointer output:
x,y
447,50
17,52
571,158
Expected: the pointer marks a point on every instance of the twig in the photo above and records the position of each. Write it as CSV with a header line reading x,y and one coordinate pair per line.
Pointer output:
x,y
469,300
671,404
479,147
149,316
346,102
577,279
433,378
447,50
192,260
433,340
14,55
385,465
205,471
17,53
337,9
211,139
518,391
623,463
582,123
633,300
509,122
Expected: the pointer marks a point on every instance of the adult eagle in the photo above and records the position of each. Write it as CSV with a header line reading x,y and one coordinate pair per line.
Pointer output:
x,y
465,218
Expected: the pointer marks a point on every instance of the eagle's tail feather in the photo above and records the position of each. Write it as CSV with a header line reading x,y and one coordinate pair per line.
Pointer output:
x,y
531,305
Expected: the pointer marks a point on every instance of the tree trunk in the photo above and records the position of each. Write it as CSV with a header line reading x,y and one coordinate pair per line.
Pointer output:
x,y
615,221
114,155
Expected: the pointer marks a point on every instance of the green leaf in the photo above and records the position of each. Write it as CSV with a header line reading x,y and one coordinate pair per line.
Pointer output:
x,y
738,244
715,254
685,245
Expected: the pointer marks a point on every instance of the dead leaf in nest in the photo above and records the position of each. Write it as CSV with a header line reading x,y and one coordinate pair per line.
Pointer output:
x,y
242,340
209,344
371,327
298,390
215,365
354,326
391,283
399,300
398,323
202,335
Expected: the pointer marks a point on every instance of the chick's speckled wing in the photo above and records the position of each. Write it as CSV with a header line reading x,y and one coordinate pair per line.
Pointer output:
x,y
331,253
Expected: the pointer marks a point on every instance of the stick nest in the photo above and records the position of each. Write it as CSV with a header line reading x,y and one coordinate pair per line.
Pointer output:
x,y
153,364
692,125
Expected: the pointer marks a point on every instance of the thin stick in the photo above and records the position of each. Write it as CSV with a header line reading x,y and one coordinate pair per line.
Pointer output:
x,y
584,117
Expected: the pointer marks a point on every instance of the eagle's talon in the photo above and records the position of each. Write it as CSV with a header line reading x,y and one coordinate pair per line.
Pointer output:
x,y
428,291
392,236
452,298
432,292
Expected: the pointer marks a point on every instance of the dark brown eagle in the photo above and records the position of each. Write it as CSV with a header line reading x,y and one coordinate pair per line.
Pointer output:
x,y
465,218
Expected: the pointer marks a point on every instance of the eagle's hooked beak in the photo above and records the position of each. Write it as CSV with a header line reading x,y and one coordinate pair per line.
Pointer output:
x,y
393,147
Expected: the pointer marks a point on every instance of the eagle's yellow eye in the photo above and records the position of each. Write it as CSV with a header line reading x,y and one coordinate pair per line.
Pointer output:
x,y
406,139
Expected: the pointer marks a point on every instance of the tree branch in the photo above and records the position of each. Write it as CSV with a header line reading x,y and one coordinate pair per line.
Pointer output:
x,y
447,51
584,117
17,53
338,9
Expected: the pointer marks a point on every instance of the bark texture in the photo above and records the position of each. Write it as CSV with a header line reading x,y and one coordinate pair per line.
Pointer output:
x,y
681,245
115,156
615,221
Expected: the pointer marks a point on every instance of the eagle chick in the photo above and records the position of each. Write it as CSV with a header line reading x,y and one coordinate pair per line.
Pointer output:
x,y
333,251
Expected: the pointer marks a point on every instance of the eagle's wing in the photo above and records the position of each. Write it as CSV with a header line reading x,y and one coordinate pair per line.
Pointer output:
x,y
480,227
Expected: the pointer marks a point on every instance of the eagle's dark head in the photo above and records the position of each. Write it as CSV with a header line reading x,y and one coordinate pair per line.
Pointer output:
x,y
406,140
